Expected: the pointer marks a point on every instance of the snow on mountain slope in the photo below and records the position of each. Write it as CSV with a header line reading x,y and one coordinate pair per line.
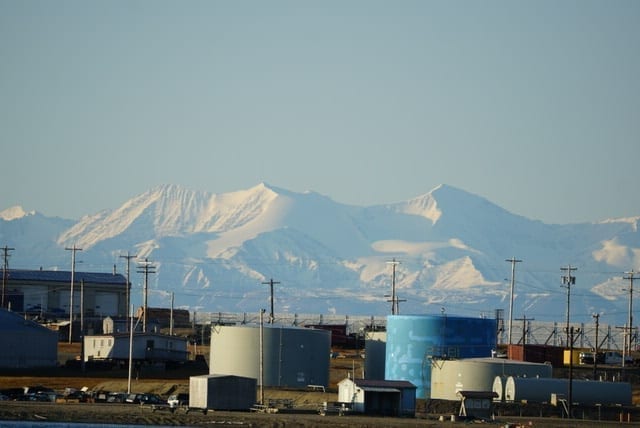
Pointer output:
x,y
14,213
172,211
215,250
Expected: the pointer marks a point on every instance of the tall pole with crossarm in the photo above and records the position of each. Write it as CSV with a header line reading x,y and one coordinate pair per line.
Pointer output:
x,y
271,283
73,250
567,281
513,262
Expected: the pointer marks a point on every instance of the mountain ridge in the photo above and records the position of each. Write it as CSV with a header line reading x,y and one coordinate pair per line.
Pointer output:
x,y
215,249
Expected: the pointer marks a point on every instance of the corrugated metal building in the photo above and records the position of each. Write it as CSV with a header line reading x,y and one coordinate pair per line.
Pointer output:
x,y
26,344
48,292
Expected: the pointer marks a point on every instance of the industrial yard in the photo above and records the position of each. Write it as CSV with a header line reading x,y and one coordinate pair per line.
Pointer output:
x,y
302,414
421,369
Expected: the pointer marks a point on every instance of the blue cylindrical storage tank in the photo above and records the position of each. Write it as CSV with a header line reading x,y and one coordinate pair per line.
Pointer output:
x,y
414,340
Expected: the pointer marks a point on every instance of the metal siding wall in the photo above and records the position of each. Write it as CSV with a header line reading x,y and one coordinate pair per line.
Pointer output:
x,y
375,351
292,356
235,351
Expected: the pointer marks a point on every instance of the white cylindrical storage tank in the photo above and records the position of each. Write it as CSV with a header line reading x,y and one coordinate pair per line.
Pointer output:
x,y
585,392
478,374
292,356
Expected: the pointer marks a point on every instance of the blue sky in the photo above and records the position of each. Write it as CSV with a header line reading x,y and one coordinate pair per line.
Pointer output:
x,y
533,105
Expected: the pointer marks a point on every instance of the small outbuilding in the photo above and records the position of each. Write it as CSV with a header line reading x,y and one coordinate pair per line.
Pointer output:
x,y
222,392
476,404
378,397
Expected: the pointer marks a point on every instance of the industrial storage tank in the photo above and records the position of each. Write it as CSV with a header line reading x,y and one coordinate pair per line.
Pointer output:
x,y
478,374
498,388
375,345
292,356
413,341
585,392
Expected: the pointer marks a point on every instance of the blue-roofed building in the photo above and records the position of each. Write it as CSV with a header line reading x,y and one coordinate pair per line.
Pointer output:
x,y
48,293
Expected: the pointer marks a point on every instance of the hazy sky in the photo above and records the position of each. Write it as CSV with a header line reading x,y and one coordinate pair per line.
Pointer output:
x,y
534,105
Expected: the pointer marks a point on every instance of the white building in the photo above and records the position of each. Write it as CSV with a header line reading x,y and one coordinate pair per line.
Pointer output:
x,y
378,397
152,347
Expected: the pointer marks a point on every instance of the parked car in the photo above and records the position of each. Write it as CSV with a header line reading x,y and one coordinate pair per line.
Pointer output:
x,y
151,399
178,400
116,397
133,399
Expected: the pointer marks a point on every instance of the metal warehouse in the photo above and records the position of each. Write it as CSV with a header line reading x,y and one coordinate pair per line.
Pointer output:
x,y
291,356
26,344
48,292
413,341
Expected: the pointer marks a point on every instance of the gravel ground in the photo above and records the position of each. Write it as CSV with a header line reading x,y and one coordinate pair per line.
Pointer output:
x,y
135,415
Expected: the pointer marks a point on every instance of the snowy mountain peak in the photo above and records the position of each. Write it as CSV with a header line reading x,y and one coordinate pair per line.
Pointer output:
x,y
14,213
451,246
431,205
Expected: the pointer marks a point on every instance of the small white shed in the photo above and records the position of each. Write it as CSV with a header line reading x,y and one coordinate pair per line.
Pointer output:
x,y
378,397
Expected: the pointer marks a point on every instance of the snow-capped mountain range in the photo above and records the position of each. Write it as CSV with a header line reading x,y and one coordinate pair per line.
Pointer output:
x,y
215,251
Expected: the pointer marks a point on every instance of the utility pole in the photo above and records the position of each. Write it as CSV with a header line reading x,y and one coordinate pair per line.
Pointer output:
x,y
145,268
567,281
261,356
73,250
128,291
595,352
524,320
271,283
394,298
629,333
398,300
5,267
570,394
513,262
171,317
